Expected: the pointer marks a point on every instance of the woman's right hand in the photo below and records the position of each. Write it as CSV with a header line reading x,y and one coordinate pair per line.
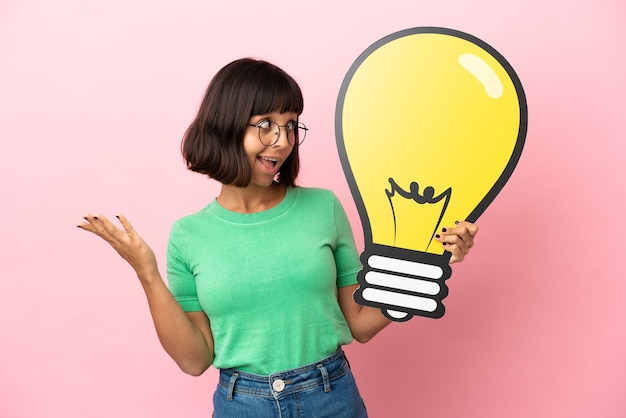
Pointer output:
x,y
186,337
129,245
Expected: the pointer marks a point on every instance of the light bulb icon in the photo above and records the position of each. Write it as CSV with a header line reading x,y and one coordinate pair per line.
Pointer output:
x,y
430,124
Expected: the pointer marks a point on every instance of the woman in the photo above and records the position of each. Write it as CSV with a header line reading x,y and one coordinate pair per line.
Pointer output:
x,y
261,279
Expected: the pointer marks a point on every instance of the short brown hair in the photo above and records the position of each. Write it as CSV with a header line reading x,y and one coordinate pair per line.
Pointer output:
x,y
213,143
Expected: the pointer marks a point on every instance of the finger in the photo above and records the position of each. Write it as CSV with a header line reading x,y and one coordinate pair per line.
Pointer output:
x,y
461,231
472,228
126,224
85,225
457,254
101,226
457,251
100,223
458,246
457,242
105,224
467,238
459,237
453,244
90,223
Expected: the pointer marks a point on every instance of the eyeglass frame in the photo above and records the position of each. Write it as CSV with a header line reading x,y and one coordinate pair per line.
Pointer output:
x,y
298,125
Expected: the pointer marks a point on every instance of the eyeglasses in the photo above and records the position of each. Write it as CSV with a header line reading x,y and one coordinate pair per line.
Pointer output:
x,y
269,132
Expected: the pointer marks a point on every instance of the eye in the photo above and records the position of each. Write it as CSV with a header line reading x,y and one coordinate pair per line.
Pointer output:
x,y
264,124
291,125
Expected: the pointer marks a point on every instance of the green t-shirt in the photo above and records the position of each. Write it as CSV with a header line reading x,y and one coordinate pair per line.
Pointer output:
x,y
268,280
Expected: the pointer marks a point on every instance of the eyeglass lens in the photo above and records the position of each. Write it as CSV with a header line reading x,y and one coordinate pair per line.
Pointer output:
x,y
269,132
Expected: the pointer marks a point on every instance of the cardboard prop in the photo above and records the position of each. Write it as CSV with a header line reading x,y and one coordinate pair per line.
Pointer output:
x,y
430,124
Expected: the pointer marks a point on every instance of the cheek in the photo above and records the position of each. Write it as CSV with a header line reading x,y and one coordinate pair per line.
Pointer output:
x,y
251,145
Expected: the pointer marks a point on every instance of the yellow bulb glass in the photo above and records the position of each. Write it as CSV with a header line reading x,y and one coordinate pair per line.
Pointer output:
x,y
430,124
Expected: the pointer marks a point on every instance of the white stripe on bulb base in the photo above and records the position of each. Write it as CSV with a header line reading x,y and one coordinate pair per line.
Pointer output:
x,y
403,283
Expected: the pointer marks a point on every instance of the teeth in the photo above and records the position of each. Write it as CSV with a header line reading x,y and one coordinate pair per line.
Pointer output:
x,y
272,161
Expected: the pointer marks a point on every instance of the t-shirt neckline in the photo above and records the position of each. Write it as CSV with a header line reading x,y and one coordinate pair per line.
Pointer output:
x,y
251,218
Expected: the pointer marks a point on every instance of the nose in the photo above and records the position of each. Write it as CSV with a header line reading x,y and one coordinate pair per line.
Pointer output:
x,y
283,139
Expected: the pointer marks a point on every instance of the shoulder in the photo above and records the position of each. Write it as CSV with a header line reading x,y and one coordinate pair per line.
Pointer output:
x,y
191,221
318,201
316,194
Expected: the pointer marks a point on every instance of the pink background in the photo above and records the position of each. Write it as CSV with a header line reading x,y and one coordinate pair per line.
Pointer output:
x,y
94,98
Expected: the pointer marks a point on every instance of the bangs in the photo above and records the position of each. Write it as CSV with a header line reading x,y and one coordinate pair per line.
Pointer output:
x,y
277,92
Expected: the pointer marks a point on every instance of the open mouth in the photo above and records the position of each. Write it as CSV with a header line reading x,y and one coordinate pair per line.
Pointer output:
x,y
268,162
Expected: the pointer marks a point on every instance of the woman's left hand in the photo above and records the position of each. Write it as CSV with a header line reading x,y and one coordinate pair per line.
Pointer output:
x,y
458,239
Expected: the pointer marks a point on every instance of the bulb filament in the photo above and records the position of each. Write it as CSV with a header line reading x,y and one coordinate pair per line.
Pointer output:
x,y
428,196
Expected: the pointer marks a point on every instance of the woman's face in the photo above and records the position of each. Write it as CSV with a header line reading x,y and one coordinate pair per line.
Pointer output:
x,y
266,160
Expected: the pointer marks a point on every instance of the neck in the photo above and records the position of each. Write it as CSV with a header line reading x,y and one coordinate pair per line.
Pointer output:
x,y
251,199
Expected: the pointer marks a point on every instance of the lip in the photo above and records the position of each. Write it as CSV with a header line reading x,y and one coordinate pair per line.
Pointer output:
x,y
269,163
